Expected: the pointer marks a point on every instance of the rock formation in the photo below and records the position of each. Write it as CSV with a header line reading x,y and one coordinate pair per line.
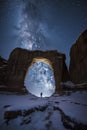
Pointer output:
x,y
78,60
20,60
2,62
3,69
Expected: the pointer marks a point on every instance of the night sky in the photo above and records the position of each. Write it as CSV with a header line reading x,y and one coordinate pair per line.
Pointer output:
x,y
41,24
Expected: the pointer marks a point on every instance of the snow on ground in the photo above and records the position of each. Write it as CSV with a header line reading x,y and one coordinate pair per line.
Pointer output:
x,y
27,112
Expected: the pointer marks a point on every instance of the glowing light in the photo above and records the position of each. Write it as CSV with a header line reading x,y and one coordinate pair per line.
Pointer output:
x,y
40,79
42,60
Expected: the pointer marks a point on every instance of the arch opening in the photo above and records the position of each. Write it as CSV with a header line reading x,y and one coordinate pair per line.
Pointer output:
x,y
39,79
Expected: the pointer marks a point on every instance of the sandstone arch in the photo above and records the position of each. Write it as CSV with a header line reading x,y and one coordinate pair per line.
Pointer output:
x,y
21,59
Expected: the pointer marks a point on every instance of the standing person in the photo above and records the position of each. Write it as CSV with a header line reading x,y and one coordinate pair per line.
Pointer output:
x,y
41,94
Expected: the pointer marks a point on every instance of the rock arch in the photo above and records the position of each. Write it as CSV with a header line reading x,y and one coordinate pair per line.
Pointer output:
x,y
21,59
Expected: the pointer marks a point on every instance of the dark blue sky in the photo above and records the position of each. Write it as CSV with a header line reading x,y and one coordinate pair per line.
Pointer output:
x,y
41,24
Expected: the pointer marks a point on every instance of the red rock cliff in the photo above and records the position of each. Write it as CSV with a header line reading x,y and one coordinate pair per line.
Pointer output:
x,y
78,60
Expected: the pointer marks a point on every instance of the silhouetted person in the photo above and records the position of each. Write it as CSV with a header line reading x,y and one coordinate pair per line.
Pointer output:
x,y
41,94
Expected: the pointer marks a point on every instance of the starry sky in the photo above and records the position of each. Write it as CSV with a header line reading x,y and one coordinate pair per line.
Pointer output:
x,y
41,24
40,79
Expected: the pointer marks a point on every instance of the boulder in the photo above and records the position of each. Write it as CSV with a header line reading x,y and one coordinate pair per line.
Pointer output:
x,y
78,60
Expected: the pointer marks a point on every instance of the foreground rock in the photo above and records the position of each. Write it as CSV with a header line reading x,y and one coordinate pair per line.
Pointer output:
x,y
78,60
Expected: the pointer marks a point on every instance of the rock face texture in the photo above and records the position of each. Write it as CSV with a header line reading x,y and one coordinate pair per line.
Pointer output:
x,y
20,60
3,62
3,70
78,60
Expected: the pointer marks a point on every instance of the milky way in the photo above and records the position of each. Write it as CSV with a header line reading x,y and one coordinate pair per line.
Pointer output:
x,y
31,30
41,24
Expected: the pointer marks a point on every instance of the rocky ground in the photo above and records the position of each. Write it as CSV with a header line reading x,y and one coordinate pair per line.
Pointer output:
x,y
58,112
